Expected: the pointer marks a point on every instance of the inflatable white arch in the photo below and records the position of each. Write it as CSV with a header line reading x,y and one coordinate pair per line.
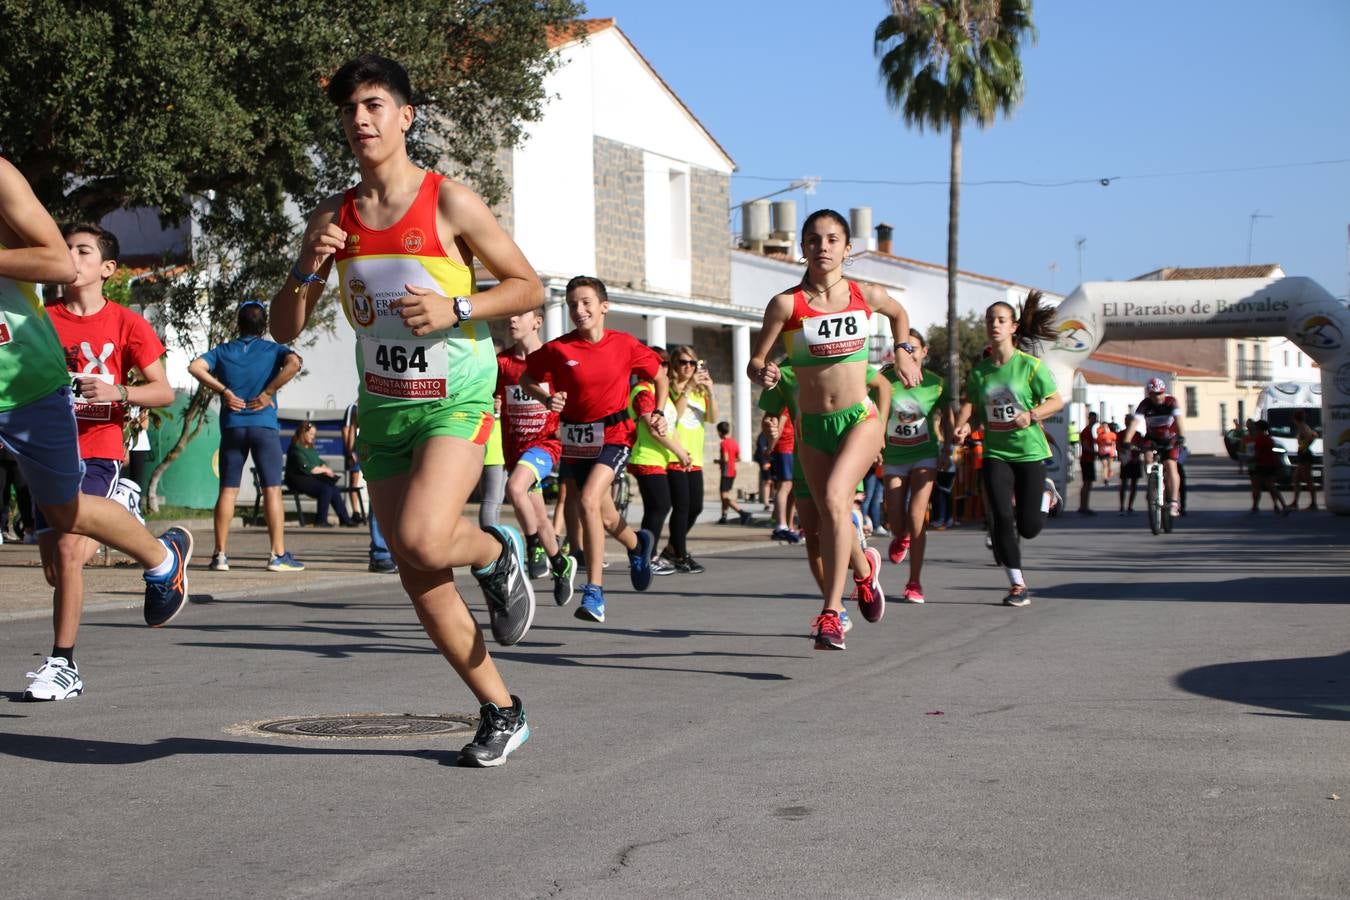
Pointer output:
x,y
1297,308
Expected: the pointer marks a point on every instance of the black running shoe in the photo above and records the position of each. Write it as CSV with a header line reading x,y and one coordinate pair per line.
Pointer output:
x,y
640,560
165,597
538,558
1018,595
510,599
563,581
689,566
500,732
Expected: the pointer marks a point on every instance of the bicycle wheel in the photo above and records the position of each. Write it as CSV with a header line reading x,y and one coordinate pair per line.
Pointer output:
x,y
1167,517
1155,503
620,493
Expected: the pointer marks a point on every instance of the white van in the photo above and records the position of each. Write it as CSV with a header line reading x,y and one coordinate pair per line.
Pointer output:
x,y
1277,405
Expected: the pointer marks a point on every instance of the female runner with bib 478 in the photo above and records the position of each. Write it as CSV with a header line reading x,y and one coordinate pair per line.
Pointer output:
x,y
825,322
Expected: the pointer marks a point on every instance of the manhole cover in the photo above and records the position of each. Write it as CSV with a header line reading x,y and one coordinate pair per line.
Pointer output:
x,y
359,725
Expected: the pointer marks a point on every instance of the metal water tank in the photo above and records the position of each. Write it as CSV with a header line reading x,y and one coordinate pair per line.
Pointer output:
x,y
785,219
755,221
860,225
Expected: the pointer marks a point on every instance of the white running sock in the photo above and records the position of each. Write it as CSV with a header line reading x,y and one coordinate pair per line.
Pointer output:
x,y
1015,577
163,568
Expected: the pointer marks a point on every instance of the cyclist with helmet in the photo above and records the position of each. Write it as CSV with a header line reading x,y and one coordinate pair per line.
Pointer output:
x,y
1158,419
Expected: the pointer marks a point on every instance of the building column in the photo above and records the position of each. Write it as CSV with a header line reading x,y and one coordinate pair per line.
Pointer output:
x,y
555,315
656,331
740,358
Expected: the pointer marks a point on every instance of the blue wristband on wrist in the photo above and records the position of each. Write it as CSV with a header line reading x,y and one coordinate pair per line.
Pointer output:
x,y
302,277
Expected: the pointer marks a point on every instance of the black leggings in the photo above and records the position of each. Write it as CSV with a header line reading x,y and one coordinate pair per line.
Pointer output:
x,y
1003,481
686,505
655,491
326,494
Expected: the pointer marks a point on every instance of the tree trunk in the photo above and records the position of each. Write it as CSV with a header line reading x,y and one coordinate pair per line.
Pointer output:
x,y
953,219
194,418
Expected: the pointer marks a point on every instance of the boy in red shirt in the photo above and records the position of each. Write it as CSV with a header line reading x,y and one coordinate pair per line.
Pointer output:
x,y
587,372
532,450
103,342
728,452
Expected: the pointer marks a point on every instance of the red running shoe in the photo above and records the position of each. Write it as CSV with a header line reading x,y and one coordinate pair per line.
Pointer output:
x,y
871,598
899,548
913,592
829,634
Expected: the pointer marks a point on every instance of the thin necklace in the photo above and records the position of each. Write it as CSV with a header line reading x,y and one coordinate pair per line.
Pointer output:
x,y
823,294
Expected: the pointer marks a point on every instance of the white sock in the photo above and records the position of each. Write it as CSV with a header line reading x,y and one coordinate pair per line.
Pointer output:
x,y
163,568
1015,577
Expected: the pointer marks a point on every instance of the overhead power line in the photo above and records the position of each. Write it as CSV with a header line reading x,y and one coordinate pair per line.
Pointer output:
x,y
1104,181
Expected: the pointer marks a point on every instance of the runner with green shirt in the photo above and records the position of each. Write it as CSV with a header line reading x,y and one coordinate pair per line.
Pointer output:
x,y
37,419
1012,392
909,463
404,242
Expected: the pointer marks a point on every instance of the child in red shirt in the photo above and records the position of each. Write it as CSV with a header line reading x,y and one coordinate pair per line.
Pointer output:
x,y
728,452
103,343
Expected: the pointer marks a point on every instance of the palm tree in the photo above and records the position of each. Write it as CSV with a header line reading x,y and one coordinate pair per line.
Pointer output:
x,y
947,61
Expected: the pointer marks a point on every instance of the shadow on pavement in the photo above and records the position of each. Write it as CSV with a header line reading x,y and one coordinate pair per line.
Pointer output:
x,y
1311,687
1262,589
81,751
596,661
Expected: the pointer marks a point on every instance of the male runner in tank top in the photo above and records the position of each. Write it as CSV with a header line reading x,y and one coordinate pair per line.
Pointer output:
x,y
37,421
404,242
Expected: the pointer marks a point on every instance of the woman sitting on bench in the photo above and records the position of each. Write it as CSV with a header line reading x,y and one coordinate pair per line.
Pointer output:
x,y
307,474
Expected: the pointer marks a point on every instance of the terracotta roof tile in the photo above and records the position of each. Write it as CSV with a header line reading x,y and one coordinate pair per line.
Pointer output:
x,y
577,30
1092,377
1205,273
1159,365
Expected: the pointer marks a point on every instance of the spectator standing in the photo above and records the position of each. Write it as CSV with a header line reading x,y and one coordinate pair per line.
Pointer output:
x,y
1087,464
691,391
764,442
650,460
1305,436
247,372
381,560
1131,469
1106,452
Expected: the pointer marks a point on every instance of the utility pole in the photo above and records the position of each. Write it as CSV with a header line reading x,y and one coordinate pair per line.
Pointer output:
x,y
1079,243
1251,231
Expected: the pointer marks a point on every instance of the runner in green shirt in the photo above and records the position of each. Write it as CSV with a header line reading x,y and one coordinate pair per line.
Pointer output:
x,y
910,462
1011,392
37,421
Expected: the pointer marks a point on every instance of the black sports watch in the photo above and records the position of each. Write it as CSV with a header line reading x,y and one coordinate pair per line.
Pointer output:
x,y
905,346
463,310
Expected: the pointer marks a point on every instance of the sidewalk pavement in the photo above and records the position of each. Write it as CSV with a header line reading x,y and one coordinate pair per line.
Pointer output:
x,y
333,557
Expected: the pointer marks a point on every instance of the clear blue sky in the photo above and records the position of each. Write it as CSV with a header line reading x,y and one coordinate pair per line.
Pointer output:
x,y
1140,89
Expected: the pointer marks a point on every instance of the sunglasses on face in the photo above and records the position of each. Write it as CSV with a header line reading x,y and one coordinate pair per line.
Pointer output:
x,y
684,362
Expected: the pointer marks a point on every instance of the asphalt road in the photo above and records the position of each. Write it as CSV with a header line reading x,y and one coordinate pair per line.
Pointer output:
x,y
1169,718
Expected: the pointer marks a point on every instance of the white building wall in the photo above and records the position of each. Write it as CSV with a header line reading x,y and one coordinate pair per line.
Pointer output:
x,y
631,106
553,188
666,221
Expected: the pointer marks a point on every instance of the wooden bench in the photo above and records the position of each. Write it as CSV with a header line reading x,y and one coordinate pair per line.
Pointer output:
x,y
328,441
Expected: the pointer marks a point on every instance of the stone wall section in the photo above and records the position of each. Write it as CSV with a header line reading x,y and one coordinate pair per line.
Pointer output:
x,y
620,232
710,238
